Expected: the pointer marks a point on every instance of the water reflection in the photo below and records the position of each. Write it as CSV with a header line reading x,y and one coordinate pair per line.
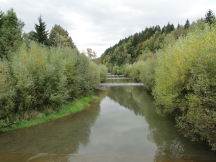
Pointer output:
x,y
122,127
62,136
162,131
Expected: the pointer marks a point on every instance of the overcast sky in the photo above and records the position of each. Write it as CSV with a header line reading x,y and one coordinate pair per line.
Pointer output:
x,y
99,24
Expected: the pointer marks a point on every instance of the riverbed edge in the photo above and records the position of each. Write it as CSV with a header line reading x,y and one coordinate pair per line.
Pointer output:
x,y
72,107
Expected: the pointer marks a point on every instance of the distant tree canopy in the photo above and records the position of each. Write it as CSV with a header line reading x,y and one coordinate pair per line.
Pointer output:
x,y
10,32
169,28
147,42
187,24
60,37
130,48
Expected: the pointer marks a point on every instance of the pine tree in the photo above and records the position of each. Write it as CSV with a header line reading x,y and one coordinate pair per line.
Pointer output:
x,y
210,17
169,28
187,24
179,26
41,34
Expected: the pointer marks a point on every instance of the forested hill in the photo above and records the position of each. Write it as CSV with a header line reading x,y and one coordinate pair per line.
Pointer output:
x,y
151,39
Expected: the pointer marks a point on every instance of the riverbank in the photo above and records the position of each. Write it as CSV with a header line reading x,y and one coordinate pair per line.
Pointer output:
x,y
71,108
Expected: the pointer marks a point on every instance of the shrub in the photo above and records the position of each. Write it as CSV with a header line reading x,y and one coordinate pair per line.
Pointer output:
x,y
185,83
143,71
147,74
116,70
103,72
37,77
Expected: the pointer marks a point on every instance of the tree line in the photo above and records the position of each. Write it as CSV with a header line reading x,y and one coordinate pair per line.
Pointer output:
x,y
178,68
40,71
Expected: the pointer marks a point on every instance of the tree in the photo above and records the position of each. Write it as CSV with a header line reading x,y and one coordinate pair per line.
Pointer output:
x,y
10,33
169,28
210,17
179,26
41,34
91,54
30,36
1,18
60,37
187,24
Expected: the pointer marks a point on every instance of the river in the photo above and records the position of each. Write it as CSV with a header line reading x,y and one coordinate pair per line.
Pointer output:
x,y
124,126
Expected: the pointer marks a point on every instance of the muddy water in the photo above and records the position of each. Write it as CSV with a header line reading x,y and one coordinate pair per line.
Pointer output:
x,y
122,127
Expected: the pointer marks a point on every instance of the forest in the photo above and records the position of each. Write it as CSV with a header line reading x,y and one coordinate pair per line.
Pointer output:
x,y
178,67
41,71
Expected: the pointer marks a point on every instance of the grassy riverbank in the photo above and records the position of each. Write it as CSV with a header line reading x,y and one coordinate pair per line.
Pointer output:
x,y
71,108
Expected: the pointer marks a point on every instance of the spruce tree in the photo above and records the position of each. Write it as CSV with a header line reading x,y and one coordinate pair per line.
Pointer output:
x,y
187,24
210,17
41,34
167,29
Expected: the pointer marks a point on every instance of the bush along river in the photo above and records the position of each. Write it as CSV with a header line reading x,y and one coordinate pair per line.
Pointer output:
x,y
123,126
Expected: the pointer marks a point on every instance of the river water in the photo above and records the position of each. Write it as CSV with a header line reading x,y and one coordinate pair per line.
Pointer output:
x,y
123,126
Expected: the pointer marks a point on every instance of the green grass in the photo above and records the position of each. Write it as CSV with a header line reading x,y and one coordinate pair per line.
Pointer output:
x,y
68,109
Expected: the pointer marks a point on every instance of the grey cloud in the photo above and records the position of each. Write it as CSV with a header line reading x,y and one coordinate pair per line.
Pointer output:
x,y
100,24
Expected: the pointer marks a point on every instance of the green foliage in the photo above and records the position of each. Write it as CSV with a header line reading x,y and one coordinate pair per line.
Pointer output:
x,y
116,70
38,78
185,83
199,111
179,68
10,33
65,110
187,24
41,34
134,71
167,29
143,71
210,17
59,37
103,72
129,49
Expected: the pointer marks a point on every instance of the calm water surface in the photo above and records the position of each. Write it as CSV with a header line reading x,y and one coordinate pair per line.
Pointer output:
x,y
122,127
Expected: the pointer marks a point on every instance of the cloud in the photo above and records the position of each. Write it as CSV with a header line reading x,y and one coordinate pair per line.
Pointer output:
x,y
100,24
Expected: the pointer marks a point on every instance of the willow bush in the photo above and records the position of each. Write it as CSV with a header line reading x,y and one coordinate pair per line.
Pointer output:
x,y
182,79
103,72
142,71
134,70
36,78
185,83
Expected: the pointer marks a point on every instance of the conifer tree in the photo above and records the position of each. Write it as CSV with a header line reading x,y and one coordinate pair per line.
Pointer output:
x,y
41,34
187,24
210,17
